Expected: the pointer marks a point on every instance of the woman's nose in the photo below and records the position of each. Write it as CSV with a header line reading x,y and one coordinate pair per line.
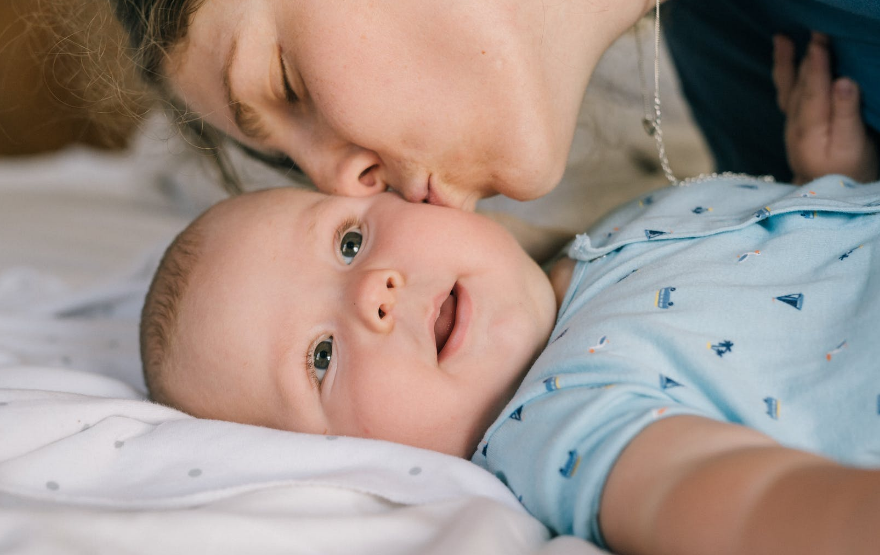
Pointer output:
x,y
374,297
351,171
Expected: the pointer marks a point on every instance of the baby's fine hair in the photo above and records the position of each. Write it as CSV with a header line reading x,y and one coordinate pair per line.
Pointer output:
x,y
159,318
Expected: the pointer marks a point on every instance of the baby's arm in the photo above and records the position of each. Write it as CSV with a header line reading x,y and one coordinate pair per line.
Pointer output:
x,y
688,484
824,131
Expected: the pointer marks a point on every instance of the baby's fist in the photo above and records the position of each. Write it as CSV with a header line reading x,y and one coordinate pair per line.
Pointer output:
x,y
824,131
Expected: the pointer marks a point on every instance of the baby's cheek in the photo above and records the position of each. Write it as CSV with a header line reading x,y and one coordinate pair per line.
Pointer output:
x,y
370,410
408,415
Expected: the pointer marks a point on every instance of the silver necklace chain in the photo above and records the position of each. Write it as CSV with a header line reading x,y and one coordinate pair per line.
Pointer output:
x,y
651,121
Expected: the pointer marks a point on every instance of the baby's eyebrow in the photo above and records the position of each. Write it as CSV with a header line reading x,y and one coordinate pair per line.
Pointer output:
x,y
315,217
246,118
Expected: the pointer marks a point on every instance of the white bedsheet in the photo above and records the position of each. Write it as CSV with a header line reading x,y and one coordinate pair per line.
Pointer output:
x,y
88,466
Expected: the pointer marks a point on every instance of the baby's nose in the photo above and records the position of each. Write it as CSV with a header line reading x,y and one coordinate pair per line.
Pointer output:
x,y
375,295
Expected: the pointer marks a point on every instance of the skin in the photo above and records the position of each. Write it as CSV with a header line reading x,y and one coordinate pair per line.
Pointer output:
x,y
271,284
444,104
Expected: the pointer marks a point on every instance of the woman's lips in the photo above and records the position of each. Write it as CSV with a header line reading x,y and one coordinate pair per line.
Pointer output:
x,y
432,195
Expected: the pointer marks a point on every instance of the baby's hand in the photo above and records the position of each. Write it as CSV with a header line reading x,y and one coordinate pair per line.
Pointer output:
x,y
824,132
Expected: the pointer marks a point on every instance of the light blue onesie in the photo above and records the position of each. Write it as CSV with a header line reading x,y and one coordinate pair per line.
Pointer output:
x,y
742,301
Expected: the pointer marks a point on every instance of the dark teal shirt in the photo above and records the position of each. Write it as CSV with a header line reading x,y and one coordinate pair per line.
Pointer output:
x,y
854,29
723,51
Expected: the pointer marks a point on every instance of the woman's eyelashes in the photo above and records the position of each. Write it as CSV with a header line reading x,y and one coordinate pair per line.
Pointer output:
x,y
281,162
350,240
319,359
289,93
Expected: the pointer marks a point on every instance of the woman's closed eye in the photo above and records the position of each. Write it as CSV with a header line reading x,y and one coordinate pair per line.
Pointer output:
x,y
279,161
289,94
319,358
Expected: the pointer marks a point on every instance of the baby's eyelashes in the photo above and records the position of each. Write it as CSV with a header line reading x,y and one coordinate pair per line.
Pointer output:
x,y
319,359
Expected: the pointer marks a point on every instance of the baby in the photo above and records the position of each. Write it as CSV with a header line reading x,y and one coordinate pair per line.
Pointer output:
x,y
697,373
368,317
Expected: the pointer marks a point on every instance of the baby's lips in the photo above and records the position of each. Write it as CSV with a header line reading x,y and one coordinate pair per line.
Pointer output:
x,y
445,321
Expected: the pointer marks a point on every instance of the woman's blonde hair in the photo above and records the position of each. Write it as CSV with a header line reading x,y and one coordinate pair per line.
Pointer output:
x,y
110,54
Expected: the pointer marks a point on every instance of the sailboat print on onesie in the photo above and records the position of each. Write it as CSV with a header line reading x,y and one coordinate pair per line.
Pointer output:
x,y
795,300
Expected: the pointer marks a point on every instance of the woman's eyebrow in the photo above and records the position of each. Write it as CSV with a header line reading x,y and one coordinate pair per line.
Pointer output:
x,y
246,118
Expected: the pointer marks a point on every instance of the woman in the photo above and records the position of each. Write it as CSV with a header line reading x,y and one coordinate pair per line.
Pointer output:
x,y
445,103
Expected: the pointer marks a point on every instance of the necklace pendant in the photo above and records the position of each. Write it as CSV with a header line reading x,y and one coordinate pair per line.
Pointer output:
x,y
650,126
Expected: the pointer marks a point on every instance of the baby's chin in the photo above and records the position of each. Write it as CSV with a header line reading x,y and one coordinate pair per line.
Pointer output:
x,y
462,447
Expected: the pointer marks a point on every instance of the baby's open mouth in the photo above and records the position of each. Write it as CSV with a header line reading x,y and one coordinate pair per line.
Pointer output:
x,y
445,321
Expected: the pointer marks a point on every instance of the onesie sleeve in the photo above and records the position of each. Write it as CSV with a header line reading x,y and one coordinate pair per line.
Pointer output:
x,y
556,452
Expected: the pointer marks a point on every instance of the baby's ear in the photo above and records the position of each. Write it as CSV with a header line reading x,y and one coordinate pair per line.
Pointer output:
x,y
541,243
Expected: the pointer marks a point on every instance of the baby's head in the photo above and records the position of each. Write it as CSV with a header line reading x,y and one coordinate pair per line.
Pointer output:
x,y
369,317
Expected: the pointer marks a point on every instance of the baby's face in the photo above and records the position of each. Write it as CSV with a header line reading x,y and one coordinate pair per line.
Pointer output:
x,y
369,317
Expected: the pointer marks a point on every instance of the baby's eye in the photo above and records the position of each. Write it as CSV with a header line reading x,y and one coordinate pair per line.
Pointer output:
x,y
350,244
321,357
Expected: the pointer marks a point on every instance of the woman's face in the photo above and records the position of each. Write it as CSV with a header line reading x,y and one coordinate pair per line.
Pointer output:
x,y
445,102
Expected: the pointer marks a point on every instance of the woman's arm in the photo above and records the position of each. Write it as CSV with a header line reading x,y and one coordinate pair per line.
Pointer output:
x,y
688,484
